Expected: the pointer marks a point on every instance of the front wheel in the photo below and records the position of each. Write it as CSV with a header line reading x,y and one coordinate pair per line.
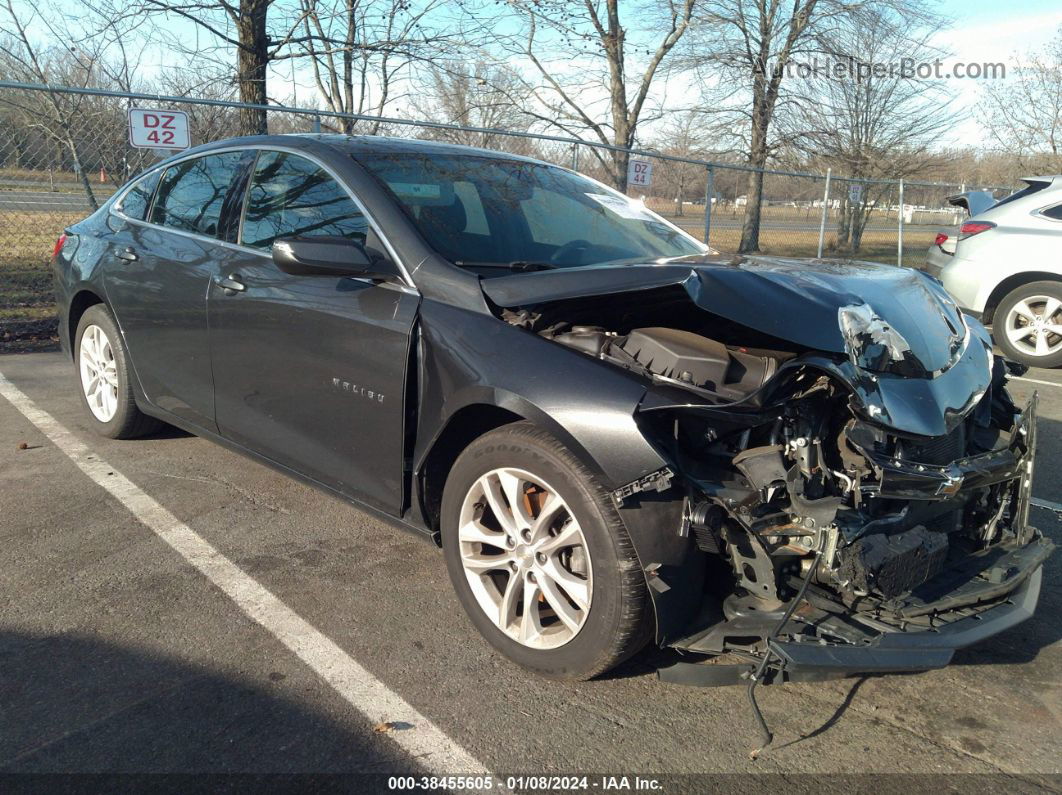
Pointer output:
x,y
1027,324
104,377
539,557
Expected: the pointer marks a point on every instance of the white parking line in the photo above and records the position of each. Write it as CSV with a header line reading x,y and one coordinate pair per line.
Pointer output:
x,y
430,747
1033,380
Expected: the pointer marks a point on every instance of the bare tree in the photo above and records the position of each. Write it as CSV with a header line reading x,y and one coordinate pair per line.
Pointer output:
x,y
358,49
745,50
53,115
1024,113
868,118
231,26
682,136
481,96
586,71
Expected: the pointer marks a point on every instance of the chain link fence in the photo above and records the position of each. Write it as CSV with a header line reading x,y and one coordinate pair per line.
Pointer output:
x,y
64,151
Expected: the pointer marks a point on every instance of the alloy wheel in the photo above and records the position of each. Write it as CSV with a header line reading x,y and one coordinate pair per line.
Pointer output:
x,y
1034,325
99,373
525,558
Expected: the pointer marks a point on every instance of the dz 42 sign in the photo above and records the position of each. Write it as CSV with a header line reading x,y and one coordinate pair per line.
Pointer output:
x,y
640,173
158,129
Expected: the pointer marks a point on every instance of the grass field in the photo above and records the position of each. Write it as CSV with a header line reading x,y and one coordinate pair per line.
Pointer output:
x,y
27,304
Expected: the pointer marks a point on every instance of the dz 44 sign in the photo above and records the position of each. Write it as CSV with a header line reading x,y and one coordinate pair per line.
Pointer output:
x,y
158,129
640,173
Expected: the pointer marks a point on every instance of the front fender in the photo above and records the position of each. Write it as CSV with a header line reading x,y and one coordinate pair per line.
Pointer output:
x,y
470,358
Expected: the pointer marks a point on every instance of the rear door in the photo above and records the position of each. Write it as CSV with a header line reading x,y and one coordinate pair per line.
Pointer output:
x,y
157,278
310,371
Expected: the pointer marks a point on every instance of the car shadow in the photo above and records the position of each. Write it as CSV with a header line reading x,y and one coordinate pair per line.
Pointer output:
x,y
79,704
165,432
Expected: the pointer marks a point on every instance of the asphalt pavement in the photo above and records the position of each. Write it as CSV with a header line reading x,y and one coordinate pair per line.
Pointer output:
x,y
169,606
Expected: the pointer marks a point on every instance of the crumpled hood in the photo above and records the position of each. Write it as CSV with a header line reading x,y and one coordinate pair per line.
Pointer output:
x,y
800,301
911,359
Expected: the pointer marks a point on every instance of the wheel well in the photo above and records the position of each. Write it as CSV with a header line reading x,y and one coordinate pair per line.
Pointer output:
x,y
80,303
463,428
1013,283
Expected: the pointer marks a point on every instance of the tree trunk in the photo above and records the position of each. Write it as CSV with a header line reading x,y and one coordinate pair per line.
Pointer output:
x,y
252,60
620,161
348,67
750,230
81,173
844,224
860,217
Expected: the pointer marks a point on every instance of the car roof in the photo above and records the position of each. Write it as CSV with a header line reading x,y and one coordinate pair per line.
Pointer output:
x,y
379,144
360,145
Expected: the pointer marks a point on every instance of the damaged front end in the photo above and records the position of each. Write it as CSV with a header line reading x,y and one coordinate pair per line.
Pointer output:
x,y
911,547
860,494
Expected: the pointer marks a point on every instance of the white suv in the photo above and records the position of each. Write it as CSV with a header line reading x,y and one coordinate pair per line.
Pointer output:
x,y
1007,267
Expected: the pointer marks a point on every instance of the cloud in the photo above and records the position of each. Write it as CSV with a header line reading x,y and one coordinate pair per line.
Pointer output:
x,y
987,42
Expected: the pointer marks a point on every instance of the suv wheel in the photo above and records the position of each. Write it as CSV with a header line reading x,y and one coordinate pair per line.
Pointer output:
x,y
539,557
104,378
1027,324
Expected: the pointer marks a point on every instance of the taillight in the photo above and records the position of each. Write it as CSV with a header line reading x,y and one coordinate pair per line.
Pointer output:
x,y
971,228
58,245
941,239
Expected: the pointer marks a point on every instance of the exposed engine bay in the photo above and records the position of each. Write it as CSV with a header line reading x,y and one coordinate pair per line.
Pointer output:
x,y
807,471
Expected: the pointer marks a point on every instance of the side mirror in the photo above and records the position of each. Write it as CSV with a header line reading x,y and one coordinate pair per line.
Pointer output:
x,y
330,256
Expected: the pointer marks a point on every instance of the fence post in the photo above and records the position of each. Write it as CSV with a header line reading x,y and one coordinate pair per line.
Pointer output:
x,y
825,205
575,157
709,194
899,239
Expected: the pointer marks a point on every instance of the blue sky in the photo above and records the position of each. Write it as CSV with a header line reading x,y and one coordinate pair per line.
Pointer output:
x,y
981,10
990,31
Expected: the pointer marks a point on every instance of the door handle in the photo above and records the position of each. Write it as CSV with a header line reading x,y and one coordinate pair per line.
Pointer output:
x,y
127,254
230,283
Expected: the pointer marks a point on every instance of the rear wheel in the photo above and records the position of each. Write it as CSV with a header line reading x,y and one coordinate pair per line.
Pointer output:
x,y
104,378
1027,324
539,557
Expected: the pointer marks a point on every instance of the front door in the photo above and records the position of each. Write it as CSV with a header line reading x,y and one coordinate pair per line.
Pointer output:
x,y
310,371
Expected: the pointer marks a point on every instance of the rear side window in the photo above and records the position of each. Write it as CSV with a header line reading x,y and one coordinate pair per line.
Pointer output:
x,y
136,200
1054,213
291,196
1033,187
192,193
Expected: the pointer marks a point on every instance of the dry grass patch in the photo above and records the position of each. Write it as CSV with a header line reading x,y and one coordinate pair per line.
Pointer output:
x,y
27,302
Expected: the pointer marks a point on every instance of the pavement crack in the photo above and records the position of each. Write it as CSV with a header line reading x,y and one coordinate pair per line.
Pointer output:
x,y
5,764
249,496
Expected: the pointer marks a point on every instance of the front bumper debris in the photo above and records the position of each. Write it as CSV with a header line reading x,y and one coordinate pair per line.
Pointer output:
x,y
1002,595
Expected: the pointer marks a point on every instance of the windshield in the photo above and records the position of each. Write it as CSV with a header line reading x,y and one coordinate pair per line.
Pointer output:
x,y
482,212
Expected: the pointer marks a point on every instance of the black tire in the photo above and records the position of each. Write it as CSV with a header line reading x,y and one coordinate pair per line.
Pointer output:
x,y
619,619
999,323
128,421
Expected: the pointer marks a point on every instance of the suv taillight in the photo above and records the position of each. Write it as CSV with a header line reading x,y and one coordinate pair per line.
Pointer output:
x,y
971,228
58,245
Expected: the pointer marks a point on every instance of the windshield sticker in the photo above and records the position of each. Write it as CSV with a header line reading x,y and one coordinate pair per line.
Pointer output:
x,y
417,190
622,207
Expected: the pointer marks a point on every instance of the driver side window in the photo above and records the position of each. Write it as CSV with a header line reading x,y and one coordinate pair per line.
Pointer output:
x,y
291,196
